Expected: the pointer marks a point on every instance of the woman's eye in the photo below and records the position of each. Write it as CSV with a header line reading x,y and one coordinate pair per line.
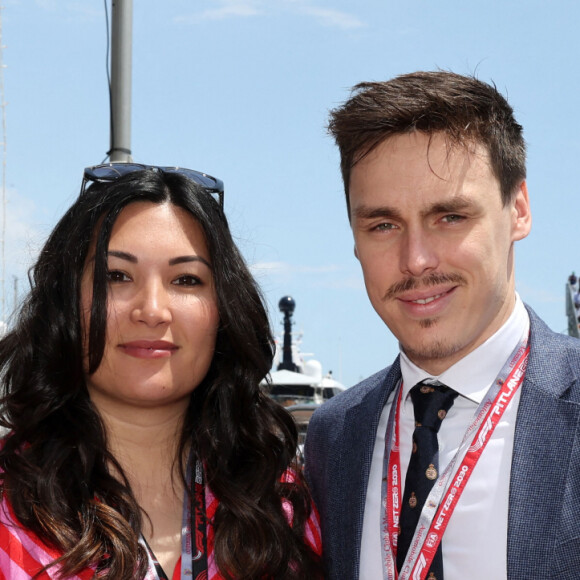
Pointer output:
x,y
187,280
117,276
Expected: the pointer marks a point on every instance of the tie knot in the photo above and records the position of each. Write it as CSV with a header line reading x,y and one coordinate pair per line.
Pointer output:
x,y
431,401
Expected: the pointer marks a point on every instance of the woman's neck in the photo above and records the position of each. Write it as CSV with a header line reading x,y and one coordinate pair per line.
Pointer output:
x,y
146,446
145,442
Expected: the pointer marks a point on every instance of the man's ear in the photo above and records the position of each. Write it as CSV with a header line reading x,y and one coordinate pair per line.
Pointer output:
x,y
522,214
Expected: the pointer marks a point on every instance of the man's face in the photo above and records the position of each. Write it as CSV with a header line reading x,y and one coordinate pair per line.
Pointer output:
x,y
436,244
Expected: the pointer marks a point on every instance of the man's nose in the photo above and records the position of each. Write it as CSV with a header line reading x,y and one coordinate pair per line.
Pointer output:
x,y
418,253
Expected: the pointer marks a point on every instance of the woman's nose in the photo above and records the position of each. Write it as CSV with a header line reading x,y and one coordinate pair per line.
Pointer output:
x,y
152,305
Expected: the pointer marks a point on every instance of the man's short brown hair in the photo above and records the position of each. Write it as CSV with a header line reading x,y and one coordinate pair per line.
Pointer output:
x,y
463,108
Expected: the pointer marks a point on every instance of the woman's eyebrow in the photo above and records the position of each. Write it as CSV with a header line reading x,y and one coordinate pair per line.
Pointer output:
x,y
185,259
123,256
173,262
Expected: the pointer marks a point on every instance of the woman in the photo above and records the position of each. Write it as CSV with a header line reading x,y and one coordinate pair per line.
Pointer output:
x,y
140,444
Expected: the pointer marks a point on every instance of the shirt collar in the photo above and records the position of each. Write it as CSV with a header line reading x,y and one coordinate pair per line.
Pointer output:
x,y
473,374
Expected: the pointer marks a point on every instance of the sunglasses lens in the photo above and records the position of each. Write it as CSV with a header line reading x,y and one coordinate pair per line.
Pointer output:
x,y
112,171
207,181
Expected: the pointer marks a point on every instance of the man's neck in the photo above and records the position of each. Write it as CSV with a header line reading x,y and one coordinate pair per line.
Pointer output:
x,y
472,374
436,366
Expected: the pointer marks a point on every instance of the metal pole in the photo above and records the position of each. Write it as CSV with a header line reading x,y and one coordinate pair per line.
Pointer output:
x,y
121,66
571,312
4,200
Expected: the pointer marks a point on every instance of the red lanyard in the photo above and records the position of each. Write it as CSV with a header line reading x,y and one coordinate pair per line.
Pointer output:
x,y
448,488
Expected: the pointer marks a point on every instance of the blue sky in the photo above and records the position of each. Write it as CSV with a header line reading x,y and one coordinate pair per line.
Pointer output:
x,y
241,89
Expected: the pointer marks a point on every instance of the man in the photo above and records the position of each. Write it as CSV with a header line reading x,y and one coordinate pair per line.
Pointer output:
x,y
433,165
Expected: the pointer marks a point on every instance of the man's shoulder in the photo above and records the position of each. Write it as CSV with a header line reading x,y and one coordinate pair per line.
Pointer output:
x,y
353,396
544,340
543,335
344,422
554,364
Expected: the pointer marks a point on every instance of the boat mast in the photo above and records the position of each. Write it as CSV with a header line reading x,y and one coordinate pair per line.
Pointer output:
x,y
121,66
287,306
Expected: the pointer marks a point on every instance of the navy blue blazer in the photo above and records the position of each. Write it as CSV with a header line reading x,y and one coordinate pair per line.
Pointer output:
x,y
544,500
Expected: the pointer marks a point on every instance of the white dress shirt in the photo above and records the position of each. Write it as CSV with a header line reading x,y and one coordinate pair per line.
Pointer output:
x,y
475,542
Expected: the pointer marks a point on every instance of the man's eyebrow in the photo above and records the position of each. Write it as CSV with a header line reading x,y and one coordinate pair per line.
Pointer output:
x,y
173,262
456,204
459,203
365,212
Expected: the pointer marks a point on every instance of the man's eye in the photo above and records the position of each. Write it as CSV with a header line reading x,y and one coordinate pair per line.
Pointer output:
x,y
384,227
187,280
117,276
453,218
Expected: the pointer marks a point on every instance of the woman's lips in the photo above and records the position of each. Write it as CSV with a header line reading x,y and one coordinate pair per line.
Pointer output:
x,y
149,349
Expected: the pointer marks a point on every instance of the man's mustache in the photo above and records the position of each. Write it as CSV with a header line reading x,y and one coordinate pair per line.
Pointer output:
x,y
413,283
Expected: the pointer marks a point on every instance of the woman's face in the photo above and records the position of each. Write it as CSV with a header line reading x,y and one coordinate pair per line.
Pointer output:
x,y
162,316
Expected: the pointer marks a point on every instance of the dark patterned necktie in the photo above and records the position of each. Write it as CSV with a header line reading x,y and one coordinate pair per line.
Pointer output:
x,y
431,401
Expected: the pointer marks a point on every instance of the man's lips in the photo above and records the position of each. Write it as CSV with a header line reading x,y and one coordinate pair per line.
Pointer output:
x,y
149,348
428,302
424,297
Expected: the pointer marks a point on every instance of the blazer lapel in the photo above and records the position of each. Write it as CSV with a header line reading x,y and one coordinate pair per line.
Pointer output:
x,y
357,443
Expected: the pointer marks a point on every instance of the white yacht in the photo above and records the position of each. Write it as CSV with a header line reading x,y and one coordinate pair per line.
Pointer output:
x,y
296,383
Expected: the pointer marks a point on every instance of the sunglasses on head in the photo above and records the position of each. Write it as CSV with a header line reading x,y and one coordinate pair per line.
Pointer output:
x,y
112,171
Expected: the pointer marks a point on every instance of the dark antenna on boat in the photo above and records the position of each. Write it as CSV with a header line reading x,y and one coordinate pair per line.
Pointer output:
x,y
287,306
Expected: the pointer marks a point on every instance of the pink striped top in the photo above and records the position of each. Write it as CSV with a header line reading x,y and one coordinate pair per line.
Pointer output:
x,y
22,554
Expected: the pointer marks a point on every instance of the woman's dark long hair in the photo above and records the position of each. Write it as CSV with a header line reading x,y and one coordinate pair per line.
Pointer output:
x,y
55,461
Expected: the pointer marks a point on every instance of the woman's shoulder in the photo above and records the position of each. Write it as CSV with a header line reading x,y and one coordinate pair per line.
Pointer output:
x,y
312,533
23,554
